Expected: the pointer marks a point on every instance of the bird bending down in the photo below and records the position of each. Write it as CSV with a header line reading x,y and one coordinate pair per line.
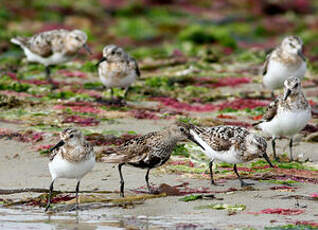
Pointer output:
x,y
149,151
287,115
52,47
230,144
72,157
284,61
117,69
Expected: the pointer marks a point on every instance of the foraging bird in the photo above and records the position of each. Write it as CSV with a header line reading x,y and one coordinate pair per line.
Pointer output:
x,y
72,157
52,47
230,144
117,69
284,61
149,151
287,115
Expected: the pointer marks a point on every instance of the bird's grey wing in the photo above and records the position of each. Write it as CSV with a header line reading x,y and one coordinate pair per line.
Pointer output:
x,y
267,62
134,65
40,44
131,151
216,141
271,111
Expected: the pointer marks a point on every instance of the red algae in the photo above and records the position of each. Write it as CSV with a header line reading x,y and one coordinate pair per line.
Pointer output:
x,y
234,104
68,73
43,147
80,107
144,114
305,222
82,121
241,103
280,211
282,188
175,104
229,81
27,136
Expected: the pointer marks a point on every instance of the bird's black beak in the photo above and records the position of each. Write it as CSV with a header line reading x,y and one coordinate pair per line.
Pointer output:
x,y
87,49
300,54
191,138
267,159
286,94
59,144
101,60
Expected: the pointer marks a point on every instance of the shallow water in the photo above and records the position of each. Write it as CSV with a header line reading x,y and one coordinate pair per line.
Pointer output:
x,y
96,219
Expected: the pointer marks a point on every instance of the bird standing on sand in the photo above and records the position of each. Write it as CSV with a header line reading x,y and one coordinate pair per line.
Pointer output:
x,y
117,69
73,157
230,144
284,61
287,115
149,151
52,47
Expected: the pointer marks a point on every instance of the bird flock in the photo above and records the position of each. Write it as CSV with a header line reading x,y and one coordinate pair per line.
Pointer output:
x,y
73,157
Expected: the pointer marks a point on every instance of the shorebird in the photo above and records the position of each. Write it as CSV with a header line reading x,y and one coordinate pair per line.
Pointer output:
x,y
149,151
52,47
231,144
117,69
284,61
72,157
287,115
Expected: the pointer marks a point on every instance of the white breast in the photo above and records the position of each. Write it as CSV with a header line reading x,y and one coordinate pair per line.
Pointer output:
x,y
111,79
61,168
277,73
228,156
286,123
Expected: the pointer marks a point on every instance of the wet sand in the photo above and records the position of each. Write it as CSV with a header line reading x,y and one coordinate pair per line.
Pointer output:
x,y
22,167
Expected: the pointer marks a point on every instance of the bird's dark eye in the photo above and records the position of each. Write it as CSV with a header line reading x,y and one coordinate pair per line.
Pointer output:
x,y
296,85
113,52
182,129
71,136
77,38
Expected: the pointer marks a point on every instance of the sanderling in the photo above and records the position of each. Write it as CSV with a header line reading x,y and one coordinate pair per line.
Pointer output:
x,y
73,157
52,47
231,144
117,69
284,61
287,115
149,151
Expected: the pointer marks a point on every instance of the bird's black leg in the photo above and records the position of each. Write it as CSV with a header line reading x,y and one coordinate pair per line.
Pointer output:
x,y
76,190
243,183
48,77
126,92
273,94
50,196
291,149
147,181
274,149
211,173
122,183
112,94
48,74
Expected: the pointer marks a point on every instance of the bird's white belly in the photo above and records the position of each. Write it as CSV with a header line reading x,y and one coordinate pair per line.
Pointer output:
x,y
111,79
286,123
277,73
54,59
228,156
61,168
